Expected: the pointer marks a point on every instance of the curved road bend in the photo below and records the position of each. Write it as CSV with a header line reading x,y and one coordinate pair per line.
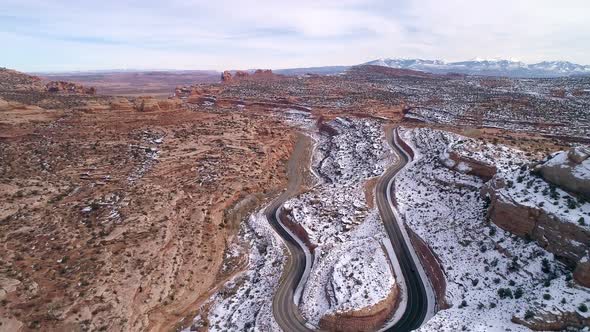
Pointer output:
x,y
417,305
284,308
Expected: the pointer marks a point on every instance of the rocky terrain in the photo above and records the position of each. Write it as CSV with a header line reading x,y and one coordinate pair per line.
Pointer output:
x,y
351,274
115,219
135,83
493,276
147,211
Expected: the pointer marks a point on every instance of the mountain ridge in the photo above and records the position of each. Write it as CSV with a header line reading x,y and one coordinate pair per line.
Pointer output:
x,y
495,67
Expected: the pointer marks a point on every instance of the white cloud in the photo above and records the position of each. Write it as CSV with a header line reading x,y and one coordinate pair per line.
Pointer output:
x,y
247,34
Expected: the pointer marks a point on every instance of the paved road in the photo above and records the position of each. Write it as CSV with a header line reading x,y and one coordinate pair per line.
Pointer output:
x,y
417,306
285,310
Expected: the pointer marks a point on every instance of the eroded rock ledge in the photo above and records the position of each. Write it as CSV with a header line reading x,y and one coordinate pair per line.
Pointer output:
x,y
366,319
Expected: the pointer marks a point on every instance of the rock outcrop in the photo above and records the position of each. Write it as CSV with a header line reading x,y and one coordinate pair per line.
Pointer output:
x,y
569,170
241,74
263,72
69,88
463,164
150,104
548,321
170,104
367,319
226,76
566,240
582,272
121,104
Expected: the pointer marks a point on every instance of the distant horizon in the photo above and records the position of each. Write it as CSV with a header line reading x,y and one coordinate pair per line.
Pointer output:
x,y
112,70
65,36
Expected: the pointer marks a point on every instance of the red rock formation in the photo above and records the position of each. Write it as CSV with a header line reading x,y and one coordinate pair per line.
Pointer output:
x,y
367,319
260,72
147,104
432,268
70,88
150,104
169,104
297,229
226,76
477,168
241,74
121,104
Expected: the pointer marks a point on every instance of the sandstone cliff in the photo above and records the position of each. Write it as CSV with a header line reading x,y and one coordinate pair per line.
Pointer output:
x,y
568,241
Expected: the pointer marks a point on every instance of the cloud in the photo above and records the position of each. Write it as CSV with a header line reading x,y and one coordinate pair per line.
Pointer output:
x,y
66,35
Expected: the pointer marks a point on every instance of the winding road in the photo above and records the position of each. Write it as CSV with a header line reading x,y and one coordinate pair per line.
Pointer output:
x,y
285,300
417,300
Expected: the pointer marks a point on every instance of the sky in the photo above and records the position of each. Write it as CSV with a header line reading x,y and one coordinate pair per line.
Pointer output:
x,y
83,35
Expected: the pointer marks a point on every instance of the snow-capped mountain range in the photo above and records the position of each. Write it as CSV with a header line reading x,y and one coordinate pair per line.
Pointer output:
x,y
508,68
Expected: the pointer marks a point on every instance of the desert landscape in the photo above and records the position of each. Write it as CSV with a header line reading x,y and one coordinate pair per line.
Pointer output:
x,y
294,166
372,198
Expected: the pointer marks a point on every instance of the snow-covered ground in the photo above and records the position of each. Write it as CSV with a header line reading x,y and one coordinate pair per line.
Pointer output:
x,y
351,270
522,186
491,274
245,302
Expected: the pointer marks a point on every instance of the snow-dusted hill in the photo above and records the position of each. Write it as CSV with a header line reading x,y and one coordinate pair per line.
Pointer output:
x,y
488,67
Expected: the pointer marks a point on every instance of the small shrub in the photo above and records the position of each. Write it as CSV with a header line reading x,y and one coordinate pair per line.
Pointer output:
x,y
583,307
545,267
505,293
547,296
